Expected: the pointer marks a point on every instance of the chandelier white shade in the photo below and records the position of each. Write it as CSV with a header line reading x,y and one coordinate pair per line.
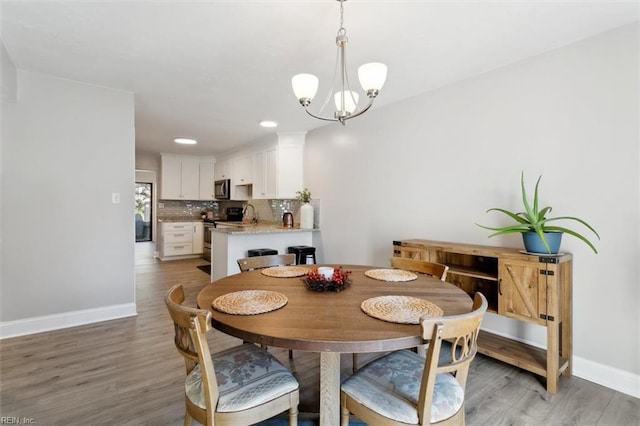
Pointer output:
x,y
350,100
305,86
371,76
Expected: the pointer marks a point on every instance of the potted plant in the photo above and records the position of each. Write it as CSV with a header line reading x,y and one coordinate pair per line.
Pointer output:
x,y
304,195
538,234
306,210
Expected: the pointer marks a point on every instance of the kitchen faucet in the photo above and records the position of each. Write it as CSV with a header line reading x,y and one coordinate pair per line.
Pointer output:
x,y
254,217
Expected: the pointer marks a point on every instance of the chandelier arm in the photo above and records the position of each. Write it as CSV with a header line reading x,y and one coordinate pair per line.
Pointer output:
x,y
347,82
356,114
344,79
319,117
342,119
335,77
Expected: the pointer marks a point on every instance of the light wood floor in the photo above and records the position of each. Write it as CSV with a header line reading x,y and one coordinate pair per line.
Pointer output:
x,y
127,371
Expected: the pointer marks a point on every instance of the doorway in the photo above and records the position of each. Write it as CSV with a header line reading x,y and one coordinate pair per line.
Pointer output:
x,y
142,211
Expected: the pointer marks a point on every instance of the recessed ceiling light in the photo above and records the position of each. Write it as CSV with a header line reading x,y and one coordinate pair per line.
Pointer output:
x,y
186,141
268,123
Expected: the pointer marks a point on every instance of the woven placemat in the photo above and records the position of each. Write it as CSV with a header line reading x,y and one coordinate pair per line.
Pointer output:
x,y
395,275
400,309
285,271
249,302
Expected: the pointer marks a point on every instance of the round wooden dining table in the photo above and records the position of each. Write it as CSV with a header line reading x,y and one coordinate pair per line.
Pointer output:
x,y
329,322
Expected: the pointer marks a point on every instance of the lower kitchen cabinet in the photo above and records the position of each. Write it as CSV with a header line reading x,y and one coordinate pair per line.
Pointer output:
x,y
198,238
180,240
531,288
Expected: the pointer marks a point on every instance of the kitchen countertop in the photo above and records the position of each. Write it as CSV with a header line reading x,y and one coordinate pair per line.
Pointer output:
x,y
179,219
259,228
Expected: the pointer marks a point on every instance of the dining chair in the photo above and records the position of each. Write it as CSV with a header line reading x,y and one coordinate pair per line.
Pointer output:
x,y
260,262
437,270
403,388
241,385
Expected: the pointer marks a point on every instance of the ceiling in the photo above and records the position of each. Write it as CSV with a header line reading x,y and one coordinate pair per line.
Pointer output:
x,y
212,70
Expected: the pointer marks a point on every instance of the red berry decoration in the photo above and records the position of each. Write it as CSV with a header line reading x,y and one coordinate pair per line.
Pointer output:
x,y
316,282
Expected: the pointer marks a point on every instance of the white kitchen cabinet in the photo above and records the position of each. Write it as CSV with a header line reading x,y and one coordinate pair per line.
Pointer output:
x,y
278,171
265,165
207,178
222,170
242,170
179,240
290,169
180,178
198,238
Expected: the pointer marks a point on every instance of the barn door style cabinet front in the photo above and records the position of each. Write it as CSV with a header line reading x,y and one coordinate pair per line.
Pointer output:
x,y
524,287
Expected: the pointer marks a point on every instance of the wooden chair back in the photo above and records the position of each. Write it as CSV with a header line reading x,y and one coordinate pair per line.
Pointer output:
x,y
260,262
461,331
191,326
437,270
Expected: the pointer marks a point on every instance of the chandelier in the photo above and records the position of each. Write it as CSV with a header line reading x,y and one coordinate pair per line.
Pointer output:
x,y
371,77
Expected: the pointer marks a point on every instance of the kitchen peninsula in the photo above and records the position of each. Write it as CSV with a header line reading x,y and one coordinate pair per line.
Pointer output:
x,y
230,242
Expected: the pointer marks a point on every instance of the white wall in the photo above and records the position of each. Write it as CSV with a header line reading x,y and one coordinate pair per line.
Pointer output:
x,y
68,252
431,166
148,161
8,77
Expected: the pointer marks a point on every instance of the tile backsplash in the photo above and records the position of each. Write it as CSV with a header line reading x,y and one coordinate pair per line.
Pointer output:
x,y
176,209
267,210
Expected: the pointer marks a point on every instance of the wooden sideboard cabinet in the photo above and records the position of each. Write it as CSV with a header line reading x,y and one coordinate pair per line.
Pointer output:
x,y
525,287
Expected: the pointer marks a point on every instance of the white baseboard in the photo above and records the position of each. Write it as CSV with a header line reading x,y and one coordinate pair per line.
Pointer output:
x,y
602,374
611,377
64,320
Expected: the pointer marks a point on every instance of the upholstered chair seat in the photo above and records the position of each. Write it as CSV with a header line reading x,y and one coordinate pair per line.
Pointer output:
x,y
247,376
390,386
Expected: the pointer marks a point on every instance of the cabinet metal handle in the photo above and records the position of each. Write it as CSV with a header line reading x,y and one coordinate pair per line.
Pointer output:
x,y
178,247
500,286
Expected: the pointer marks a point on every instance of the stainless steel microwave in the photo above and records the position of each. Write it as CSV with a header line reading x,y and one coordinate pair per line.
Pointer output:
x,y
222,189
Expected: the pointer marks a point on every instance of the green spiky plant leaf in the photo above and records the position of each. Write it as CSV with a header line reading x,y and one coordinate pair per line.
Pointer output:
x,y
535,220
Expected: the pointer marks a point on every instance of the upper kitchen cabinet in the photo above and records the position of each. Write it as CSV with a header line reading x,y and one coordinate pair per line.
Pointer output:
x,y
187,178
265,165
278,170
222,170
207,179
242,170
290,164
180,177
